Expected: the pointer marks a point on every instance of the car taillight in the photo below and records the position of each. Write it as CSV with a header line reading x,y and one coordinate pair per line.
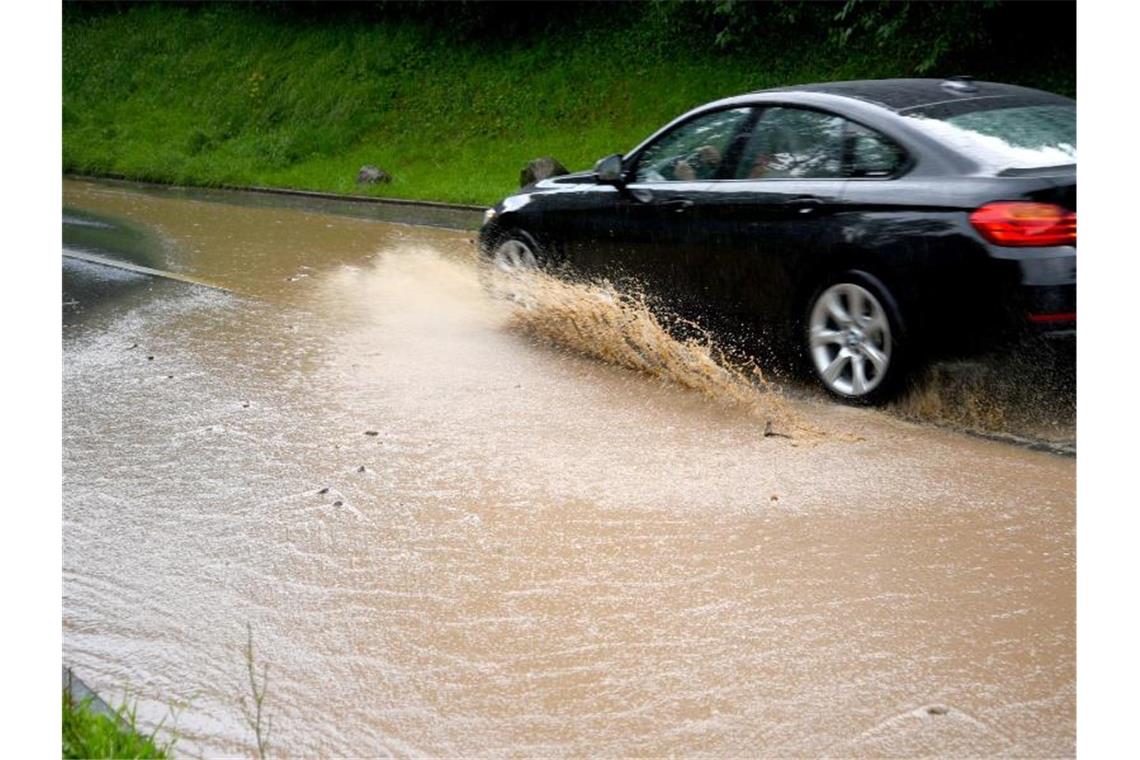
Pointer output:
x,y
1020,223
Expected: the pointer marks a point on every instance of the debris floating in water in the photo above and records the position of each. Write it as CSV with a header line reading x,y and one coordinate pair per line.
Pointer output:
x,y
770,433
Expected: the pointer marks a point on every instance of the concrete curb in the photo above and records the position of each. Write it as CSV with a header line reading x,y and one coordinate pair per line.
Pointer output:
x,y
429,213
78,691
363,198
1049,447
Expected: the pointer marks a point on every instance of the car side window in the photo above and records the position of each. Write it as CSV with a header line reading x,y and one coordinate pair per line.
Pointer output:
x,y
694,151
871,154
793,143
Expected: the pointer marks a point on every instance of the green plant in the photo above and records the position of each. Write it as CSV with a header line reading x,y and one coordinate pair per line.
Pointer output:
x,y
453,99
254,713
90,734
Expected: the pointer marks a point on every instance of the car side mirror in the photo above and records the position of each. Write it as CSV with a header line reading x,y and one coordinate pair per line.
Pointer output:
x,y
608,170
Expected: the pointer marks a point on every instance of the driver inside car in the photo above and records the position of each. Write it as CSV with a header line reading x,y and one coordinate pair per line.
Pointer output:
x,y
702,163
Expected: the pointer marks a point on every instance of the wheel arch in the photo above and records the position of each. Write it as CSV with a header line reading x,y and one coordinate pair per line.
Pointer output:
x,y
862,262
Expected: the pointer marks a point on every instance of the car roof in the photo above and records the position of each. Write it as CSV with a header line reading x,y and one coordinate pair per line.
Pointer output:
x,y
906,94
877,103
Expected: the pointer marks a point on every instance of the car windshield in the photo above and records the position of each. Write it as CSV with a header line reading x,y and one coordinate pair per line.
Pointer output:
x,y
1026,136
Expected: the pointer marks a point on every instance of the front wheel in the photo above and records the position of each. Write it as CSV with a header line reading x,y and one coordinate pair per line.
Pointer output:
x,y
515,252
507,267
853,338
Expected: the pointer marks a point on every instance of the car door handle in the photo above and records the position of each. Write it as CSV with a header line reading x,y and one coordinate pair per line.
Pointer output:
x,y
677,205
805,204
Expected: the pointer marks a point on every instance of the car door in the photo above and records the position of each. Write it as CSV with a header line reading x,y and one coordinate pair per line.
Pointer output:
x,y
653,230
777,207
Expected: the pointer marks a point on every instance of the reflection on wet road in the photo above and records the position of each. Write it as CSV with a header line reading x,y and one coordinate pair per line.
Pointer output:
x,y
450,538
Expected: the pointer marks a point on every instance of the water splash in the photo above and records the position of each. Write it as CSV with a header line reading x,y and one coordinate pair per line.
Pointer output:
x,y
598,320
1026,391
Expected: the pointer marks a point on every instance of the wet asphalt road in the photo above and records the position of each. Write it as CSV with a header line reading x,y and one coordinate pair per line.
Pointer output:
x,y
450,537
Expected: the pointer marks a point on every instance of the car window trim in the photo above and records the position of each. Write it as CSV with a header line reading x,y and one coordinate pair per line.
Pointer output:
x,y
904,166
630,172
760,108
736,147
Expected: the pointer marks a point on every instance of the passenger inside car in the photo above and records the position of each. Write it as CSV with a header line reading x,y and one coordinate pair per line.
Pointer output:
x,y
772,157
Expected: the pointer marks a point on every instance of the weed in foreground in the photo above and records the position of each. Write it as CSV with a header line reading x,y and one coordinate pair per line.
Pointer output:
x,y
254,712
90,734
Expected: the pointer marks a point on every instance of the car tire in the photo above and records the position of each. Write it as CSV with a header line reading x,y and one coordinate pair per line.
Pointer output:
x,y
515,251
505,260
854,339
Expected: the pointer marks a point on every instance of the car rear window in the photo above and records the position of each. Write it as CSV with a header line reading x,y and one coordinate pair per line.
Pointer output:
x,y
1022,136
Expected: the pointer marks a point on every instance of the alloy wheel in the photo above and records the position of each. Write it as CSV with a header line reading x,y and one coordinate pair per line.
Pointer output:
x,y
513,255
849,338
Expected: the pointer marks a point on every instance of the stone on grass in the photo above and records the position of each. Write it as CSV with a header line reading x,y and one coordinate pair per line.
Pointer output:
x,y
541,168
370,175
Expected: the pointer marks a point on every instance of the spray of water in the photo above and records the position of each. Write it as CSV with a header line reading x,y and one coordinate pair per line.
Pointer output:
x,y
1026,391
619,327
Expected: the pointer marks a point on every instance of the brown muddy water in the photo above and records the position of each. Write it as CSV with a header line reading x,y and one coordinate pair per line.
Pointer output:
x,y
459,524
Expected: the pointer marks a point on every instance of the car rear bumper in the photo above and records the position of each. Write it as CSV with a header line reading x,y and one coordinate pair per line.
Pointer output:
x,y
1048,309
1044,288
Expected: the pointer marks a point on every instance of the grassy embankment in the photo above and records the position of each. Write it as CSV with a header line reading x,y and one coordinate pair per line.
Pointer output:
x,y
250,96
89,734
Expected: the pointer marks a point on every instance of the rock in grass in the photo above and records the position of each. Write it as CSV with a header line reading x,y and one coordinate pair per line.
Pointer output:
x,y
370,175
541,168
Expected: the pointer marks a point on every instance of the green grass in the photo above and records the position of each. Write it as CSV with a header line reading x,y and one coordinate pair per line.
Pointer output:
x,y
237,95
88,734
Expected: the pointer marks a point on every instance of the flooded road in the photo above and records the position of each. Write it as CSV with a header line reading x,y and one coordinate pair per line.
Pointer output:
x,y
451,536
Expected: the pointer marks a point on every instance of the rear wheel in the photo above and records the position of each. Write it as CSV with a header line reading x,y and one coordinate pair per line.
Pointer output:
x,y
853,339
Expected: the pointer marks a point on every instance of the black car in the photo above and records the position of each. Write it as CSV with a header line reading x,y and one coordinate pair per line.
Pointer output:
x,y
866,224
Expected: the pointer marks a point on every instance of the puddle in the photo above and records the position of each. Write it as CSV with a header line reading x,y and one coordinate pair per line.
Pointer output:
x,y
453,531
